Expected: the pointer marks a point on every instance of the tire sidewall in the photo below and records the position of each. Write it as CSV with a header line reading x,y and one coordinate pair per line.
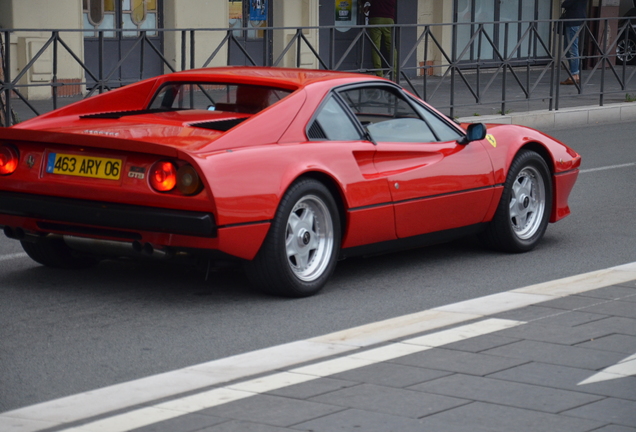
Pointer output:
x,y
523,160
291,284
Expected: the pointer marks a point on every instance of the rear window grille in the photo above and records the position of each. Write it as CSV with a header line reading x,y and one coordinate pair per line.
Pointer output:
x,y
316,132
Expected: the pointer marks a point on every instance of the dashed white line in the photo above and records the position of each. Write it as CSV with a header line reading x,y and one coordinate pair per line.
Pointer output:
x,y
608,167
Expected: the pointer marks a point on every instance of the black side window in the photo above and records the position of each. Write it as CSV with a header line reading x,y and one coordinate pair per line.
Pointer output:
x,y
387,115
333,123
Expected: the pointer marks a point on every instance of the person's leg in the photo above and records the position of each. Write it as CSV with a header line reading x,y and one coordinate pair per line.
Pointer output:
x,y
387,39
574,50
375,33
571,47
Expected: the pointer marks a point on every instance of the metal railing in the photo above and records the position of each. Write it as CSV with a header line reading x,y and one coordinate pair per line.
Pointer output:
x,y
484,68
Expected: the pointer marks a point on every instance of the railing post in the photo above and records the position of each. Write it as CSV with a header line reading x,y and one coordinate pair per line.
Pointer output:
x,y
332,47
54,80
559,53
480,40
604,60
100,53
298,40
183,50
505,69
192,50
453,62
6,58
141,57
395,53
425,71
624,68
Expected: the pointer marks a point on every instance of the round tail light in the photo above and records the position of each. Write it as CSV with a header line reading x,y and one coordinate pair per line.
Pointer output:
x,y
163,176
8,160
188,181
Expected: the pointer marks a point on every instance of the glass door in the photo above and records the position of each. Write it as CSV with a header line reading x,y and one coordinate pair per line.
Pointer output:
x,y
250,17
504,28
121,23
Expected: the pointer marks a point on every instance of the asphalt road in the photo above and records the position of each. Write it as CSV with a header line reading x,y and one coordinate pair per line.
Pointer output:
x,y
64,332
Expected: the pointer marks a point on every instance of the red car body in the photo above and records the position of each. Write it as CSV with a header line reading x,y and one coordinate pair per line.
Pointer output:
x,y
388,193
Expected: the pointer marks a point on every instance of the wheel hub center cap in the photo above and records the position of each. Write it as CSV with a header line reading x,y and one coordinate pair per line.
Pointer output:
x,y
526,202
304,237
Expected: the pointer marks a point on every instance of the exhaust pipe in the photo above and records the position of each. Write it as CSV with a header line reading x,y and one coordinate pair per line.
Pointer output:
x,y
115,248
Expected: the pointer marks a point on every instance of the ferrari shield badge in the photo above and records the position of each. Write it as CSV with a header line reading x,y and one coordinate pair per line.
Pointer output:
x,y
491,139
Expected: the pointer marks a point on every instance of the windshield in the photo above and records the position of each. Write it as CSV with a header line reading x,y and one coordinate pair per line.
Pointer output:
x,y
241,98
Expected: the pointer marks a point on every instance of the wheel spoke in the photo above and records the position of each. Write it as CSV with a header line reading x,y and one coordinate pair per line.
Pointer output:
x,y
290,246
513,209
293,221
314,243
522,219
302,260
307,217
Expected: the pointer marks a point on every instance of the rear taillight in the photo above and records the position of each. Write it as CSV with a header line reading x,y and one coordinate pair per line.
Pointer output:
x,y
188,181
8,160
163,176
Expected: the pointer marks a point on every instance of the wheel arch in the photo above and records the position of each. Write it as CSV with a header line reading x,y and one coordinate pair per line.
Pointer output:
x,y
541,150
336,192
557,195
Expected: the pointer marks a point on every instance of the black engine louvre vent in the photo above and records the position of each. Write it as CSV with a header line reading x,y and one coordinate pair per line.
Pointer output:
x,y
219,125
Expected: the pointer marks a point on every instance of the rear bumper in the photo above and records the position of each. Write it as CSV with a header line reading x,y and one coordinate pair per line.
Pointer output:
x,y
108,215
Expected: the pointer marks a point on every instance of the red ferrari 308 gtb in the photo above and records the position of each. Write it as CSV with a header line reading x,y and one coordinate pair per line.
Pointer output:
x,y
286,170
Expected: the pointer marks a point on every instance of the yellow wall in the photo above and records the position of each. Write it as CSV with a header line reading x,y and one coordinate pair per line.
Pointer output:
x,y
196,14
43,14
295,13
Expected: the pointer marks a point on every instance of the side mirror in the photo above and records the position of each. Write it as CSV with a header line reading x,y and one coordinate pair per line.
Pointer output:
x,y
475,132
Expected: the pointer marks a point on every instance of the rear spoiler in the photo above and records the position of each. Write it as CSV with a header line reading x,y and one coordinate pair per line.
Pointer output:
x,y
87,139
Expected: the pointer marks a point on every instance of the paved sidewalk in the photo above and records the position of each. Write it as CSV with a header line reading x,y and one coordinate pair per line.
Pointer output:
x,y
558,356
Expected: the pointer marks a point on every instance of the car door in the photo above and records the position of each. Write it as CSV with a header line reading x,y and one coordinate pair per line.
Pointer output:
x,y
436,183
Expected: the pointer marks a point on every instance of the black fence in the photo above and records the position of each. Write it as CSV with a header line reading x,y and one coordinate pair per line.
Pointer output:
x,y
476,68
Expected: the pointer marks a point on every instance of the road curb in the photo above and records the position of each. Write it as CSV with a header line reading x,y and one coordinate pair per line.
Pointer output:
x,y
563,118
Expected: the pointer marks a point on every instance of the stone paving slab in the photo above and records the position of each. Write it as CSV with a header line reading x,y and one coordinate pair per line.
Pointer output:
x,y
402,402
567,378
500,418
272,410
462,362
391,375
507,393
557,354
611,410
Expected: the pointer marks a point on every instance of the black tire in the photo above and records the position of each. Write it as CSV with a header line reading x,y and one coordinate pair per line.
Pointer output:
x,y
300,251
525,206
52,251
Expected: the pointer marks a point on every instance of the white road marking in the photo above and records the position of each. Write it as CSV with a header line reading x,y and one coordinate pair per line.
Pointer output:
x,y
623,369
608,167
102,401
13,256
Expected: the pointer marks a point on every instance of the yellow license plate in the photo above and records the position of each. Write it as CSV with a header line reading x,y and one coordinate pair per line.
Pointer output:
x,y
84,166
